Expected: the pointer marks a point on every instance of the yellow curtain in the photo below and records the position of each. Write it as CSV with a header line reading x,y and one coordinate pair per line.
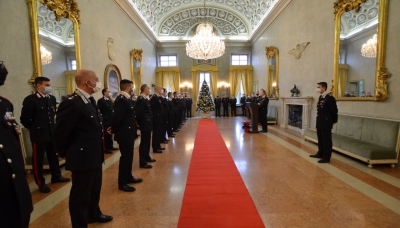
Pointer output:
x,y
271,79
244,73
70,78
235,77
214,83
168,77
195,83
342,79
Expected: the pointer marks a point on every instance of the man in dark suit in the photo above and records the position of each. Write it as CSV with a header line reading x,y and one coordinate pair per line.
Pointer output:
x,y
263,110
105,105
37,116
144,117
79,136
217,103
177,105
163,136
225,103
327,116
232,103
157,108
15,197
171,116
124,127
243,104
188,103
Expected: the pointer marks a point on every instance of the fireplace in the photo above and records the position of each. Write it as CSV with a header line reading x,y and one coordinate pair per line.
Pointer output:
x,y
296,113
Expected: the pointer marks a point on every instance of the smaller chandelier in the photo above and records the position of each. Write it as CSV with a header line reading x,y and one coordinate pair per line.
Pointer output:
x,y
368,49
45,55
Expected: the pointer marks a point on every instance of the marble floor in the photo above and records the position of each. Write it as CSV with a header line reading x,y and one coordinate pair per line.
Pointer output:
x,y
288,188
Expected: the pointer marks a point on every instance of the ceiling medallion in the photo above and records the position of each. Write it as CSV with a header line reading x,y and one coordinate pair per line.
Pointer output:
x,y
205,44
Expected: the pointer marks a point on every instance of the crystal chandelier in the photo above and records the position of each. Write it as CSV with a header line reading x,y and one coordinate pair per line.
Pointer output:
x,y
205,44
368,49
45,55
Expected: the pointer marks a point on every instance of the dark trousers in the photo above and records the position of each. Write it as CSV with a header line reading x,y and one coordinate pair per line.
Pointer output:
x,y
189,112
177,119
233,110
39,148
183,114
144,147
243,110
225,110
108,141
170,124
156,140
84,197
263,120
163,132
218,111
125,161
324,143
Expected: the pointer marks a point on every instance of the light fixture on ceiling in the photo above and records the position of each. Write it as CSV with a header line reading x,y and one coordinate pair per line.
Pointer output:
x,y
368,49
205,44
45,55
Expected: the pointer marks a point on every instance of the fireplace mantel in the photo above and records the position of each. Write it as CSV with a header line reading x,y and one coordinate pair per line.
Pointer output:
x,y
303,101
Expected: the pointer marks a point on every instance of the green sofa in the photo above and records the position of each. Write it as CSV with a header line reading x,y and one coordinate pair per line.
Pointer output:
x,y
372,140
272,116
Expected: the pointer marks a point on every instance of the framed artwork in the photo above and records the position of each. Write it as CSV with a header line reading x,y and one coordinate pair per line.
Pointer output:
x,y
209,62
112,77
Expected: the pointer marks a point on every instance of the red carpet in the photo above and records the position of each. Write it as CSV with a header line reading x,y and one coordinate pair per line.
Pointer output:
x,y
215,194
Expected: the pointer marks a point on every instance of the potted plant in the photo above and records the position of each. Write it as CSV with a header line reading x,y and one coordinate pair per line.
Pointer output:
x,y
246,126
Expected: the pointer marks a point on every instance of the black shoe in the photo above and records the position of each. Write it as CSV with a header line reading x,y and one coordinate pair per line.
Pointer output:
x,y
151,160
60,180
175,131
157,151
262,131
323,161
126,188
108,152
101,219
135,180
114,148
147,166
165,142
315,156
171,136
161,148
44,189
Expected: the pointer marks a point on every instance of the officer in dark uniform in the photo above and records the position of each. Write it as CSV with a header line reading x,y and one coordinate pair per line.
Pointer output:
x,y
327,116
163,136
158,118
15,197
217,102
124,127
189,103
79,136
183,108
171,116
263,110
243,104
233,102
105,105
144,117
177,106
254,98
225,103
37,116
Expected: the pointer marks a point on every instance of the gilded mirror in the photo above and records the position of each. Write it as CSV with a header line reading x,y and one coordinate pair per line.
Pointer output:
x,y
55,43
360,46
136,68
272,72
112,77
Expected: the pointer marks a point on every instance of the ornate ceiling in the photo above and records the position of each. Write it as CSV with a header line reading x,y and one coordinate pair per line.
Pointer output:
x,y
176,18
353,23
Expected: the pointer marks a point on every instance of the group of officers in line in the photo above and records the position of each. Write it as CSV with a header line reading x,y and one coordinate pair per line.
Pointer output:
x,y
80,131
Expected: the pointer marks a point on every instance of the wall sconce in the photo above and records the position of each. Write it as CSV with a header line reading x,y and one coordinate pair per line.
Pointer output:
x,y
223,86
186,86
274,84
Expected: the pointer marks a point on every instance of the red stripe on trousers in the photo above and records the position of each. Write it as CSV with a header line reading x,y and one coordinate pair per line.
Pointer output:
x,y
35,165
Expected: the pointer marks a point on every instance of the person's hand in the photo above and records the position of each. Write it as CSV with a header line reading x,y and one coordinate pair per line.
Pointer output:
x,y
109,130
17,129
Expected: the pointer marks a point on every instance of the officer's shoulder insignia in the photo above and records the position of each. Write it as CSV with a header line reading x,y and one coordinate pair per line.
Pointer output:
x,y
3,98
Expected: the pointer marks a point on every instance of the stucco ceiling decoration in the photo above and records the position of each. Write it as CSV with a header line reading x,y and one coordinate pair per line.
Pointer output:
x,y
61,31
249,13
353,23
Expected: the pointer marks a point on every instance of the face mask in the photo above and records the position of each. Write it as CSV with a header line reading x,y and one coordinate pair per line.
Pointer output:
x,y
47,90
318,90
97,88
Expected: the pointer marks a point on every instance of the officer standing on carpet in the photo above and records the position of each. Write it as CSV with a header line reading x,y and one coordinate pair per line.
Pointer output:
x,y
189,103
37,116
263,110
144,117
217,103
233,102
157,108
15,196
243,104
327,116
225,103
105,105
124,127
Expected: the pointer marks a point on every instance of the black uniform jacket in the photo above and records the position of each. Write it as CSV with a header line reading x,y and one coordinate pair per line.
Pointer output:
x,y
14,186
37,115
157,108
123,121
233,102
225,101
217,102
171,108
165,108
243,101
79,133
263,101
327,112
106,109
144,115
189,103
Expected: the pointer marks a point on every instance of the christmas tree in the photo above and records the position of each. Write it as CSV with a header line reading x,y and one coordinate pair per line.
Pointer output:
x,y
205,102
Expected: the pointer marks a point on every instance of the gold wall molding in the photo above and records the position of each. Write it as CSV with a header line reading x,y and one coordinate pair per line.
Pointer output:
x,y
347,5
272,52
63,8
136,55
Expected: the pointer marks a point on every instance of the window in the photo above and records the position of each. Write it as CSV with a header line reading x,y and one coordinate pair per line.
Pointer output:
x,y
204,76
239,59
168,60
240,92
73,64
